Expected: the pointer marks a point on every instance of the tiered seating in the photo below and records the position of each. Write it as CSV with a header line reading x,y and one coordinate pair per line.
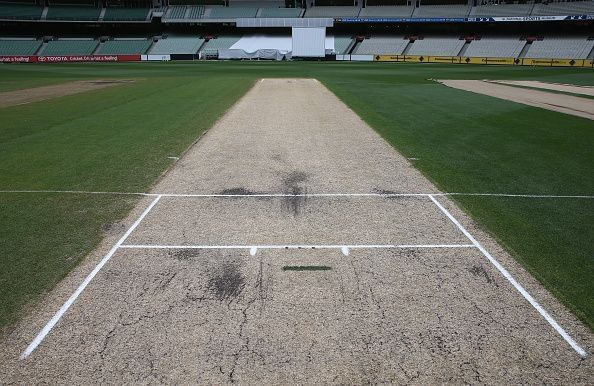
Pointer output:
x,y
20,11
442,11
387,11
571,8
176,12
176,46
501,10
70,12
126,14
230,12
222,42
69,47
332,12
195,12
124,47
561,48
341,44
385,45
436,46
495,47
19,47
280,12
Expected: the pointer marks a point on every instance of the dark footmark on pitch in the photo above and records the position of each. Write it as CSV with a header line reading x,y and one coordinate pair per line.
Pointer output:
x,y
479,271
389,194
306,268
237,192
184,254
227,282
293,185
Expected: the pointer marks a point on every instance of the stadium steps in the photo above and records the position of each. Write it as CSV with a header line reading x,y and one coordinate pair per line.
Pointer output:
x,y
102,14
591,54
96,48
463,49
351,48
524,50
44,14
407,48
39,49
201,47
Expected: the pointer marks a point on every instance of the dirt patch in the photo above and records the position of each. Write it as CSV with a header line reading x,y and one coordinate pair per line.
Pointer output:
x,y
36,94
570,88
567,104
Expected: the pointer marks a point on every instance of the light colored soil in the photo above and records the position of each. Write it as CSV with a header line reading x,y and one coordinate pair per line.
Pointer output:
x,y
36,94
570,88
581,107
223,316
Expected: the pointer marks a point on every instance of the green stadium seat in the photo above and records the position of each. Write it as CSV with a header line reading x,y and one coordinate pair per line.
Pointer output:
x,y
20,11
19,47
69,47
124,47
68,12
125,14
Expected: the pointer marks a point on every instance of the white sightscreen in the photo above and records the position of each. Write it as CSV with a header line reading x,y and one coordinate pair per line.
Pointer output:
x,y
309,42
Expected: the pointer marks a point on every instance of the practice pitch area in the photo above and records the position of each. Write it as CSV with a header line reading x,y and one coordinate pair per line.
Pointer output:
x,y
292,244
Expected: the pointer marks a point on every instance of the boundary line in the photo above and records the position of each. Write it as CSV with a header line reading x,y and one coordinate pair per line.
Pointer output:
x,y
513,281
58,315
300,195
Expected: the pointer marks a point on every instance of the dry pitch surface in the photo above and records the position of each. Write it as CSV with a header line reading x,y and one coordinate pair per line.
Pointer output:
x,y
402,314
570,88
568,104
36,94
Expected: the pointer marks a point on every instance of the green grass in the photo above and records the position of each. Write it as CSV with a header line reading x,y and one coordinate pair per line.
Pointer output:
x,y
118,139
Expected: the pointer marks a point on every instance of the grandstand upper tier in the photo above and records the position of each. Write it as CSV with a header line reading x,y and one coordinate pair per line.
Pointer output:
x,y
273,9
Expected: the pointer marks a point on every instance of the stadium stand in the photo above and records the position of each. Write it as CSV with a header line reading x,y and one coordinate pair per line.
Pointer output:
x,y
124,47
565,8
20,11
454,10
341,44
495,47
384,45
279,12
222,42
19,46
176,12
229,12
175,45
560,47
126,14
337,11
195,12
436,46
501,10
71,12
69,47
387,11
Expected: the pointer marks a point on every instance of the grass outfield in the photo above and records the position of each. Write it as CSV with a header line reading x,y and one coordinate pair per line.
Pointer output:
x,y
118,139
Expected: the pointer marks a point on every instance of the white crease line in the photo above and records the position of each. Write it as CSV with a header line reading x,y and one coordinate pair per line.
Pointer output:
x,y
52,322
513,281
256,195
302,195
255,248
